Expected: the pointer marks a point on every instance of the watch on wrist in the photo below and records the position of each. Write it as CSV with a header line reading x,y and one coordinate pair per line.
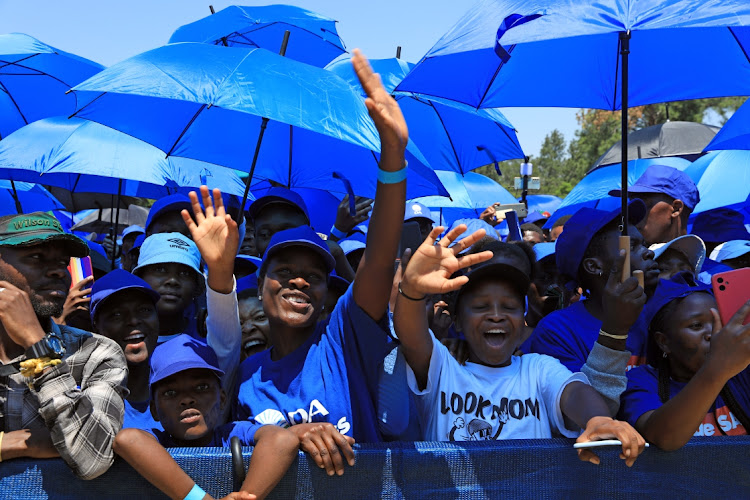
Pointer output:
x,y
49,347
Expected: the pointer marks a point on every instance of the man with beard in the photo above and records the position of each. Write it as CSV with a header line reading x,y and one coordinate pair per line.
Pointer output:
x,y
69,402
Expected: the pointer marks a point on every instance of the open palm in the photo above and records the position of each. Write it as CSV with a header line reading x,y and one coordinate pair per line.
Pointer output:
x,y
214,232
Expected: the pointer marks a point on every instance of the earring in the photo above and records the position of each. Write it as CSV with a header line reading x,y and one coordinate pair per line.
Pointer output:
x,y
260,298
664,355
601,273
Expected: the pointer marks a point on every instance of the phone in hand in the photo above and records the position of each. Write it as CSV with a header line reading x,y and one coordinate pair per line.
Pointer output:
x,y
411,237
79,268
732,290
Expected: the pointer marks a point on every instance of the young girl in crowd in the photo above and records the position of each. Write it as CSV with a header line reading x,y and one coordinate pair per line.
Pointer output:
x,y
696,381
495,395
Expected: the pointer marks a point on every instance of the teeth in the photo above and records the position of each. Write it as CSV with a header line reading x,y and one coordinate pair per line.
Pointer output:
x,y
297,300
497,330
252,343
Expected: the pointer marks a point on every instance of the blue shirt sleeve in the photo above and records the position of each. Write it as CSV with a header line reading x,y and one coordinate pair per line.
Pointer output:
x,y
554,336
245,430
641,395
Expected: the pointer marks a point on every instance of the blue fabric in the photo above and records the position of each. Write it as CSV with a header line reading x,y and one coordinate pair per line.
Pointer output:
x,y
116,281
593,190
278,195
302,236
181,353
313,38
452,136
172,203
325,202
720,225
569,335
332,377
161,248
543,202
222,435
665,180
83,156
569,57
183,98
34,79
735,134
723,178
32,198
138,416
733,249
642,395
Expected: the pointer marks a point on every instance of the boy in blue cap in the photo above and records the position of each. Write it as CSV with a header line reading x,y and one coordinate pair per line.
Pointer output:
x,y
123,308
279,209
186,397
602,335
670,196
165,215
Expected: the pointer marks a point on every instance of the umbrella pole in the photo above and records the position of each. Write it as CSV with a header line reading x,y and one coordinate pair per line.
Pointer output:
x,y
117,222
19,209
263,125
625,239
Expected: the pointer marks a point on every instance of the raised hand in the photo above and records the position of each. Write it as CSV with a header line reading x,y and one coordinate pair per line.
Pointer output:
x,y
622,303
216,236
345,221
730,345
430,268
78,300
382,107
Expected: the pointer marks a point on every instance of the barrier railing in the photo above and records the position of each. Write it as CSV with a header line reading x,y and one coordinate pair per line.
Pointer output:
x,y
704,468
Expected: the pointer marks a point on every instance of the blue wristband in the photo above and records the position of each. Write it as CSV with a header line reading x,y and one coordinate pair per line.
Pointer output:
x,y
385,177
338,233
196,493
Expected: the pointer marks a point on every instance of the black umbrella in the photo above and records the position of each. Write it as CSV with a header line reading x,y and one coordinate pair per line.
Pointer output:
x,y
101,220
684,139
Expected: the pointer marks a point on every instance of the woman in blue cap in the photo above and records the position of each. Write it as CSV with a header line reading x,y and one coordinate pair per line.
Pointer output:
x,y
697,381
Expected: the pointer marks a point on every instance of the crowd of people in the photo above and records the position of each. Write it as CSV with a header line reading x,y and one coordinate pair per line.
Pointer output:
x,y
290,340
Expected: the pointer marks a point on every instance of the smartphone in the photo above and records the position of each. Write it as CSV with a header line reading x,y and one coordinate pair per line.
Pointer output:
x,y
79,269
732,290
411,237
596,444
519,208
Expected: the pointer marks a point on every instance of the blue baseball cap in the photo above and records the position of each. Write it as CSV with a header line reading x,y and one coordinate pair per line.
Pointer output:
x,y
689,244
117,281
133,229
354,242
249,259
415,210
719,225
732,249
302,236
665,180
680,285
278,195
581,229
249,282
544,250
162,248
99,259
137,243
172,203
181,353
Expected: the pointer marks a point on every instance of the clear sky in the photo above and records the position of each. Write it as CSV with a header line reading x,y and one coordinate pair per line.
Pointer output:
x,y
108,31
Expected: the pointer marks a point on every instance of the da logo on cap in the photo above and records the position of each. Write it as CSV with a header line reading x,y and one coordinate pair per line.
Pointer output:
x,y
416,209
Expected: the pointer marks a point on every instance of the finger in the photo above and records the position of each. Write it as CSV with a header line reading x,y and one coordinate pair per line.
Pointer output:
x,y
466,243
197,210
474,258
433,236
364,202
364,73
405,258
587,455
208,205
189,222
219,208
311,448
325,457
615,272
231,224
333,452
452,235
741,314
345,445
453,284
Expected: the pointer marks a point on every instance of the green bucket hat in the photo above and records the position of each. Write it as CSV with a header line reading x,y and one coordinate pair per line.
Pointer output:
x,y
36,228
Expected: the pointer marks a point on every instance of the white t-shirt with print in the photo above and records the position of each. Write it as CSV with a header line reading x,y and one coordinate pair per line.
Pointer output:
x,y
475,402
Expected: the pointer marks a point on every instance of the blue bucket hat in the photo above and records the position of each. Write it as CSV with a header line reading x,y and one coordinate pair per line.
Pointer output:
x,y
278,195
172,203
719,225
581,229
665,180
415,210
162,248
181,353
117,281
302,236
732,249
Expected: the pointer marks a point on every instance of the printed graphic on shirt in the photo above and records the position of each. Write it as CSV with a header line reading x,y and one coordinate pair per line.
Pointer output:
x,y
486,419
635,361
720,422
315,412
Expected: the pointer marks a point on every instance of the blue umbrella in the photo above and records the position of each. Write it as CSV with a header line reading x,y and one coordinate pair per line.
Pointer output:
x,y
313,39
451,136
543,203
723,180
593,190
86,157
580,54
735,134
33,80
470,194
20,197
322,205
221,104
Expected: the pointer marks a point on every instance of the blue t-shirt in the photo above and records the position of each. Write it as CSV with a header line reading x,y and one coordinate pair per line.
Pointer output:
x,y
332,377
642,395
222,435
569,335
138,416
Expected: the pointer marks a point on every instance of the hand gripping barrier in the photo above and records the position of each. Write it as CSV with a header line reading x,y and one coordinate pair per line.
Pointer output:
x,y
704,468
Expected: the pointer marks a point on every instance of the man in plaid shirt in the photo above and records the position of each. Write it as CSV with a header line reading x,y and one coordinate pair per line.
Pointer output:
x,y
72,409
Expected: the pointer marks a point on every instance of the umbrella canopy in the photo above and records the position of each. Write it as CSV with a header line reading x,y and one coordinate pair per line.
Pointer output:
x,y
684,139
593,190
80,156
313,38
723,180
34,78
30,197
451,136
564,53
220,104
543,203
735,134
100,221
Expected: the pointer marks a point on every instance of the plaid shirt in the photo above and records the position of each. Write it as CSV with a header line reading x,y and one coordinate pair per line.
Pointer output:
x,y
80,401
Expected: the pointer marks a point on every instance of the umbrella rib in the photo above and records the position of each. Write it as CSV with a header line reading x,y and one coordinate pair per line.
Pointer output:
x,y
38,73
5,89
268,25
450,140
617,78
502,128
203,106
492,80
738,43
87,105
14,63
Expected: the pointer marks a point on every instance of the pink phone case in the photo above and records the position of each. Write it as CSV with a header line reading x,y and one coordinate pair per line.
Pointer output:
x,y
732,290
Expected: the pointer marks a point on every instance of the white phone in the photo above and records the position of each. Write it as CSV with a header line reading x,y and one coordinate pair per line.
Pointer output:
x,y
603,442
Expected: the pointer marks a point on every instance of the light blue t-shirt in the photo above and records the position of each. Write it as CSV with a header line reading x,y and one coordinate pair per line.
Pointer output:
x,y
332,377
